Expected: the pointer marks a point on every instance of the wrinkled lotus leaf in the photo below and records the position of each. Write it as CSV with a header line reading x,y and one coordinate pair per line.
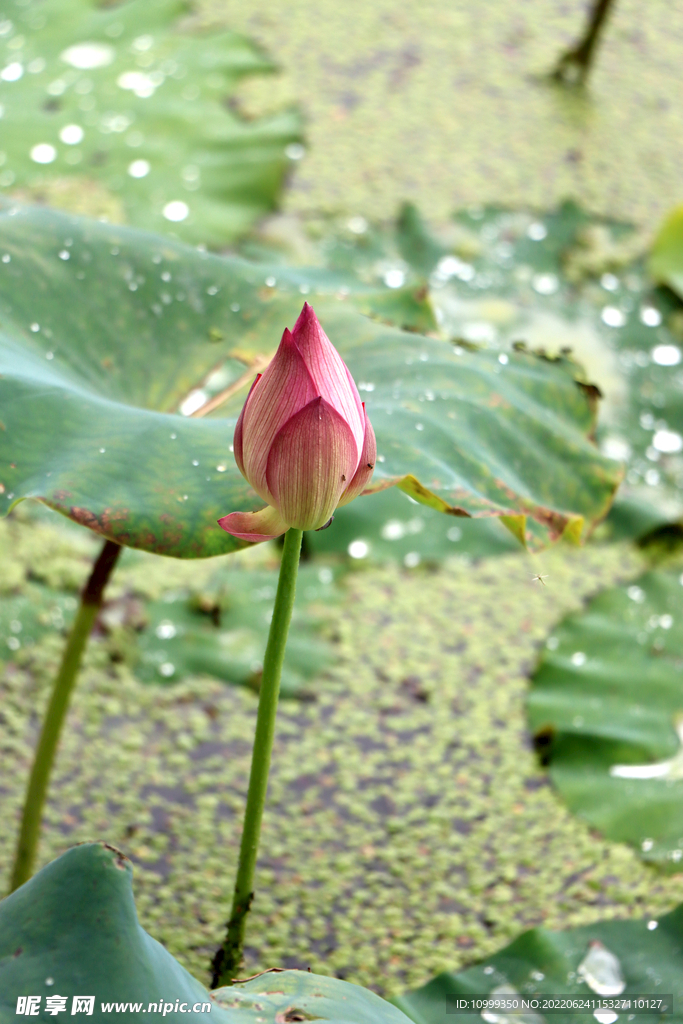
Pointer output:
x,y
390,526
607,709
595,961
561,280
108,332
122,95
72,930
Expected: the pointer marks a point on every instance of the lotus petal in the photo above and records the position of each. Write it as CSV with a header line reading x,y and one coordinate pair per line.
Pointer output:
x,y
366,465
285,387
265,524
332,380
310,462
239,432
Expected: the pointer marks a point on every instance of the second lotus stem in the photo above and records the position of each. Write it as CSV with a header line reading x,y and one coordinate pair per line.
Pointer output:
x,y
573,66
36,792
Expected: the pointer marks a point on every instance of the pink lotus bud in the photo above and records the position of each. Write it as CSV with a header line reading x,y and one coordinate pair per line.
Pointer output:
x,y
303,439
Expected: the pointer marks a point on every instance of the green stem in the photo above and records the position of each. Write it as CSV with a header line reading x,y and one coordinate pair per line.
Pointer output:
x,y
228,958
574,65
91,601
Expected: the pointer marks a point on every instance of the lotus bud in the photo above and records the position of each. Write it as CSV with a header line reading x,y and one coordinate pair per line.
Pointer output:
x,y
303,439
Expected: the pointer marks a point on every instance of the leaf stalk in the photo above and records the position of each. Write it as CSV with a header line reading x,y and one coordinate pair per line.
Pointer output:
x,y
573,66
36,791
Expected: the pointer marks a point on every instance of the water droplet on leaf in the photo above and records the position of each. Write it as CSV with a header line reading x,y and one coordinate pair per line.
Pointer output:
x,y
536,231
176,210
545,284
85,56
294,151
650,316
613,316
666,355
394,278
139,168
165,630
71,134
601,971
12,72
43,153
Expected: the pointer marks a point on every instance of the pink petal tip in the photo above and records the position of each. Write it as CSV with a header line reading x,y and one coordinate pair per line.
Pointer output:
x,y
254,526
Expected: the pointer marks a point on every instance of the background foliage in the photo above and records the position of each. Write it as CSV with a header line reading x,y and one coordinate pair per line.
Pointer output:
x,y
127,107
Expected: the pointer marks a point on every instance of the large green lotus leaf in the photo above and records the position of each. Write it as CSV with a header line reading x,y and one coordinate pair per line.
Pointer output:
x,y
468,434
595,961
391,526
607,708
72,930
107,332
278,997
558,280
124,95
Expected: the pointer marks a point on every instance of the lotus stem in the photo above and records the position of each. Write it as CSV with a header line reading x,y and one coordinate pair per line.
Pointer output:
x,y
36,791
228,959
573,66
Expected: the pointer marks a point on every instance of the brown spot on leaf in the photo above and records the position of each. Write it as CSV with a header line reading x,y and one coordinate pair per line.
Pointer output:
x,y
111,516
259,974
85,517
292,1014
120,861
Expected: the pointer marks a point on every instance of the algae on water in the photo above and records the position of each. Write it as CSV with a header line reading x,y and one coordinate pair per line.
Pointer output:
x,y
408,830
